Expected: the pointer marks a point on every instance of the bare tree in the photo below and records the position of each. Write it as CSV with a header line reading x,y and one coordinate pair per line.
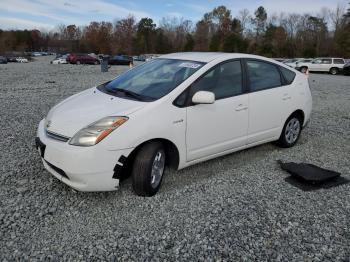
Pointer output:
x,y
245,18
336,16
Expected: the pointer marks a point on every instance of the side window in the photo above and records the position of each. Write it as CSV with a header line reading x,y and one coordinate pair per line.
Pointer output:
x,y
288,75
262,75
327,61
224,80
338,61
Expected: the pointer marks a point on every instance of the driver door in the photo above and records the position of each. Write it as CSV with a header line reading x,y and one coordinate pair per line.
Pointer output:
x,y
223,125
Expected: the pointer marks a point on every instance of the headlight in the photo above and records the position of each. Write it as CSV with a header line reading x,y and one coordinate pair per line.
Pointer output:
x,y
96,132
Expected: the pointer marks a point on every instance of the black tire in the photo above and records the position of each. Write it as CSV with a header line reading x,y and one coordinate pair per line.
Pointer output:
x,y
289,138
334,71
142,169
303,69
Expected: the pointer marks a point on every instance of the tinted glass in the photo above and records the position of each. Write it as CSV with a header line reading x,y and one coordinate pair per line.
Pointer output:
x,y
262,75
288,75
153,79
224,80
338,61
326,61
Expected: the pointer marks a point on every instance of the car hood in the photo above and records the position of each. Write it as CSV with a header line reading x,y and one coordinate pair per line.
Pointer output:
x,y
82,109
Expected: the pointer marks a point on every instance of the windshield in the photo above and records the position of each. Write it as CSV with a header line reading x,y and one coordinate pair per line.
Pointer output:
x,y
151,81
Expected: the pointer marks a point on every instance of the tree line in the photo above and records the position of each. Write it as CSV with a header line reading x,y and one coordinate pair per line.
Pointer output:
x,y
278,35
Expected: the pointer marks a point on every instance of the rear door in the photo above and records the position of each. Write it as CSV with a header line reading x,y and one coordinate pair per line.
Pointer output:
x,y
218,127
267,100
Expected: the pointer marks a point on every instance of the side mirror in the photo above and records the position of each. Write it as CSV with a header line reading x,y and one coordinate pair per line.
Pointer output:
x,y
203,97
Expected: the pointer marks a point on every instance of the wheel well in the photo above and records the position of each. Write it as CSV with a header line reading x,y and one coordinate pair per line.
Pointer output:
x,y
171,151
300,114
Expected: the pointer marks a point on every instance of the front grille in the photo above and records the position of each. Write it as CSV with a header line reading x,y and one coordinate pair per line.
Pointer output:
x,y
58,170
57,136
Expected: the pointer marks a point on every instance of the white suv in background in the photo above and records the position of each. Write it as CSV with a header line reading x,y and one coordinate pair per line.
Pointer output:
x,y
331,65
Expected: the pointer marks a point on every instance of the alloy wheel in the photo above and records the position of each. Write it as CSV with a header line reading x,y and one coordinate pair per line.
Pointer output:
x,y
157,169
292,131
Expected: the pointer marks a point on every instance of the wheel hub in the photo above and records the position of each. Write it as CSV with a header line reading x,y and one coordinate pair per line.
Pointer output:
x,y
157,169
292,130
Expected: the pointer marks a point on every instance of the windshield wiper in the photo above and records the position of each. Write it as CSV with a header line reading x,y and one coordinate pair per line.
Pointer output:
x,y
127,93
130,94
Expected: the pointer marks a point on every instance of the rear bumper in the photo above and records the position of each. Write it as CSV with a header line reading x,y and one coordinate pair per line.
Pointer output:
x,y
82,168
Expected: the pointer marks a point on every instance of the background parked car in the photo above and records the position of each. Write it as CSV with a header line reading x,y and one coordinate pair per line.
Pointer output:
x,y
11,58
82,59
346,69
36,54
60,60
120,60
293,63
331,65
21,60
3,60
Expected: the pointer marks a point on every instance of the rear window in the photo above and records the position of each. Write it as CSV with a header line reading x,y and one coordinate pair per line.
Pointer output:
x,y
288,75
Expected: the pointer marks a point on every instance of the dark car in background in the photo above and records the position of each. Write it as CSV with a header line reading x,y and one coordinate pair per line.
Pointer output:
x,y
11,58
3,60
120,60
82,59
346,69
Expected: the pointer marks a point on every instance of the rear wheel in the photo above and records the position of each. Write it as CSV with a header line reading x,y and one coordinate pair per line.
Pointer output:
x,y
334,71
303,69
291,132
148,169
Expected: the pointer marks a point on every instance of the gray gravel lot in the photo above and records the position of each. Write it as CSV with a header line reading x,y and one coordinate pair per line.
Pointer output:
x,y
237,207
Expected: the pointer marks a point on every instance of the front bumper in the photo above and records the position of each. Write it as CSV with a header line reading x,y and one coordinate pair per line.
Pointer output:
x,y
82,168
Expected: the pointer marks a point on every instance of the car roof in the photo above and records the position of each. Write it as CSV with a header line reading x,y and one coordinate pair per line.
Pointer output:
x,y
208,56
329,58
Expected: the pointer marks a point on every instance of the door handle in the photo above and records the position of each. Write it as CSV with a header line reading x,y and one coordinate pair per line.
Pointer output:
x,y
241,107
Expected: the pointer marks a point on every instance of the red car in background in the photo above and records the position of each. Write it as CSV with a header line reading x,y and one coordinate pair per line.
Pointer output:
x,y
82,59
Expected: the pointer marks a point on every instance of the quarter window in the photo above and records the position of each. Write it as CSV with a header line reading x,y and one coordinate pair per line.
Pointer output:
x,y
262,75
288,75
225,80
338,61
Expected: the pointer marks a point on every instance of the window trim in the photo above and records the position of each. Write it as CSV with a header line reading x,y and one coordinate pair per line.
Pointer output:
x,y
189,95
283,81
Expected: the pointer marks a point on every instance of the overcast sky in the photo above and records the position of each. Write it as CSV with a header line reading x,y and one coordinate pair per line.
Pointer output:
x,y
46,14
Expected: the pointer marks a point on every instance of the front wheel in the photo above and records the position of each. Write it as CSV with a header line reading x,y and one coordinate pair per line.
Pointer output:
x,y
290,132
148,169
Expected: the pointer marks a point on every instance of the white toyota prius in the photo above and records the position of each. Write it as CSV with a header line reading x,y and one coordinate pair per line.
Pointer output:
x,y
176,110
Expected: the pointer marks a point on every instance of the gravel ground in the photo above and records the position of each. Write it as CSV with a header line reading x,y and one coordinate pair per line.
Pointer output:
x,y
237,207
